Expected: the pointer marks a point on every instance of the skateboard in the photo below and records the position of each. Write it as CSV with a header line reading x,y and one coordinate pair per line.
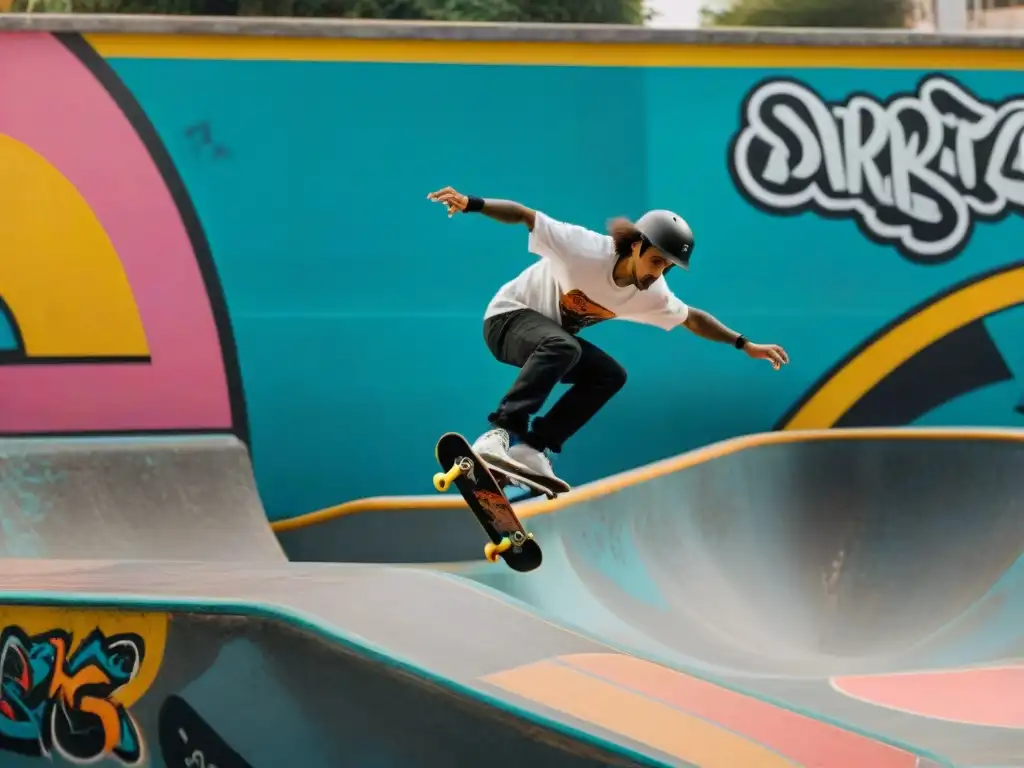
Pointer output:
x,y
465,470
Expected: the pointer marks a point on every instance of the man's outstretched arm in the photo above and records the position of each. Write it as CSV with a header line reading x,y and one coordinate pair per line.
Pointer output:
x,y
707,326
505,211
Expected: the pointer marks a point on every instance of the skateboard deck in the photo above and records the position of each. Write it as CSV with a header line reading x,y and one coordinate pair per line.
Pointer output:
x,y
463,468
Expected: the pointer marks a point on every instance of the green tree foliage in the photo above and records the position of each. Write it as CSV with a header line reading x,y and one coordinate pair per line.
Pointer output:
x,y
809,13
549,11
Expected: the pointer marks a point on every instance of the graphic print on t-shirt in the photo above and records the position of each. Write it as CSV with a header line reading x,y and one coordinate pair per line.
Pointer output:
x,y
579,312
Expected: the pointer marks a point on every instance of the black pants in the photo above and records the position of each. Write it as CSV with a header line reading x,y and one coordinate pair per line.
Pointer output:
x,y
547,354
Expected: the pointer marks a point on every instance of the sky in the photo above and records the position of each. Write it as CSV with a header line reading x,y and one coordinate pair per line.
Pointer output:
x,y
675,13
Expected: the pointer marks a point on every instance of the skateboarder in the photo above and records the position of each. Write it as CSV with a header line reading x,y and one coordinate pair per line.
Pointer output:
x,y
582,278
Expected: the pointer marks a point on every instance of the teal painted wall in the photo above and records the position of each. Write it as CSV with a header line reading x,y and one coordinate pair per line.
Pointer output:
x,y
357,304
7,340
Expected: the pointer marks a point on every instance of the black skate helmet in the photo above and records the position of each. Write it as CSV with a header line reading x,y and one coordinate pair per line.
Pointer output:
x,y
670,234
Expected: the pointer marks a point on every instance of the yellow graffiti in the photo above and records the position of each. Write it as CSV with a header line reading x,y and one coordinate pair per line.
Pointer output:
x,y
60,275
151,627
867,369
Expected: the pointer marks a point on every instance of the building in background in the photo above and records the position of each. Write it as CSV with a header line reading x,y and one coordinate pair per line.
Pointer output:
x,y
981,14
996,14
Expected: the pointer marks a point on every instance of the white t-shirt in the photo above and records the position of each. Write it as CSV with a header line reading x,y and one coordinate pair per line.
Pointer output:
x,y
572,283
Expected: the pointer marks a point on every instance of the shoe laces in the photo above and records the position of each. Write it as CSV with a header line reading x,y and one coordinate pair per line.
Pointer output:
x,y
501,436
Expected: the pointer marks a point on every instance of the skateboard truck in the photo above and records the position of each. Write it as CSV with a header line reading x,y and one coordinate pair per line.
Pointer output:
x,y
516,539
462,466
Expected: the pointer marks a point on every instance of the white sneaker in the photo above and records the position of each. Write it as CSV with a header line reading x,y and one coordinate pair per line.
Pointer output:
x,y
539,465
492,447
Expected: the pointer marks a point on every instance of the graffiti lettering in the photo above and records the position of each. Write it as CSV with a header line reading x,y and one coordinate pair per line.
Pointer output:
x,y
915,171
53,699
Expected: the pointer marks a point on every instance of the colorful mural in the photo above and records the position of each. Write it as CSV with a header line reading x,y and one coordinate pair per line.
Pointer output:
x,y
918,171
232,234
109,314
68,681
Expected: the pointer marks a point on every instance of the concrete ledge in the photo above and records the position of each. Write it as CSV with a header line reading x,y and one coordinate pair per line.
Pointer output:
x,y
575,33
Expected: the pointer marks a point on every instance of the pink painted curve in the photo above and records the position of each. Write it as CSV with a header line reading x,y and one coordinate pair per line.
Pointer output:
x,y
991,697
809,742
58,108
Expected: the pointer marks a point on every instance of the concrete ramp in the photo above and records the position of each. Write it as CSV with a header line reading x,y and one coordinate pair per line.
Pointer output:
x,y
838,600
801,557
873,580
259,666
172,498
790,587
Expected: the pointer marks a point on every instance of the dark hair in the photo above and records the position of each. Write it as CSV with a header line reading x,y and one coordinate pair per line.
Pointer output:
x,y
624,233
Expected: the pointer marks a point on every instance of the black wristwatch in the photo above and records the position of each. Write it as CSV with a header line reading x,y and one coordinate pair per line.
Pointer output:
x,y
741,341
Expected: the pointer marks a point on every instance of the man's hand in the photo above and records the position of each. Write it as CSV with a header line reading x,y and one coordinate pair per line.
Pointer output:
x,y
452,200
773,353
505,211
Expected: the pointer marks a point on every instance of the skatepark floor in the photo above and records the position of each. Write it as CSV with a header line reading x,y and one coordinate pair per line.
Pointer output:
x,y
840,598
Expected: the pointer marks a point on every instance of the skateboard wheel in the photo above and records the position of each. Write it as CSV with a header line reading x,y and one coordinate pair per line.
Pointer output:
x,y
441,482
492,550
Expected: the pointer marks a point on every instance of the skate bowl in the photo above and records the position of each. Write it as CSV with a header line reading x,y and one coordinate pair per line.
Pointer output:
x,y
792,599
869,578
793,557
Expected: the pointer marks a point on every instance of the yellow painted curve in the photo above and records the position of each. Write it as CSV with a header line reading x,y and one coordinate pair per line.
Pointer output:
x,y
238,47
883,356
60,275
648,472
151,627
374,504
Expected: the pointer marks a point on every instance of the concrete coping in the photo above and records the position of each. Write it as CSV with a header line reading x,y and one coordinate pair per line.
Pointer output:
x,y
469,32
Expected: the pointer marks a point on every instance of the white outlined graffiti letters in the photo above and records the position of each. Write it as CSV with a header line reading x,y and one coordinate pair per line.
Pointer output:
x,y
915,171
60,697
